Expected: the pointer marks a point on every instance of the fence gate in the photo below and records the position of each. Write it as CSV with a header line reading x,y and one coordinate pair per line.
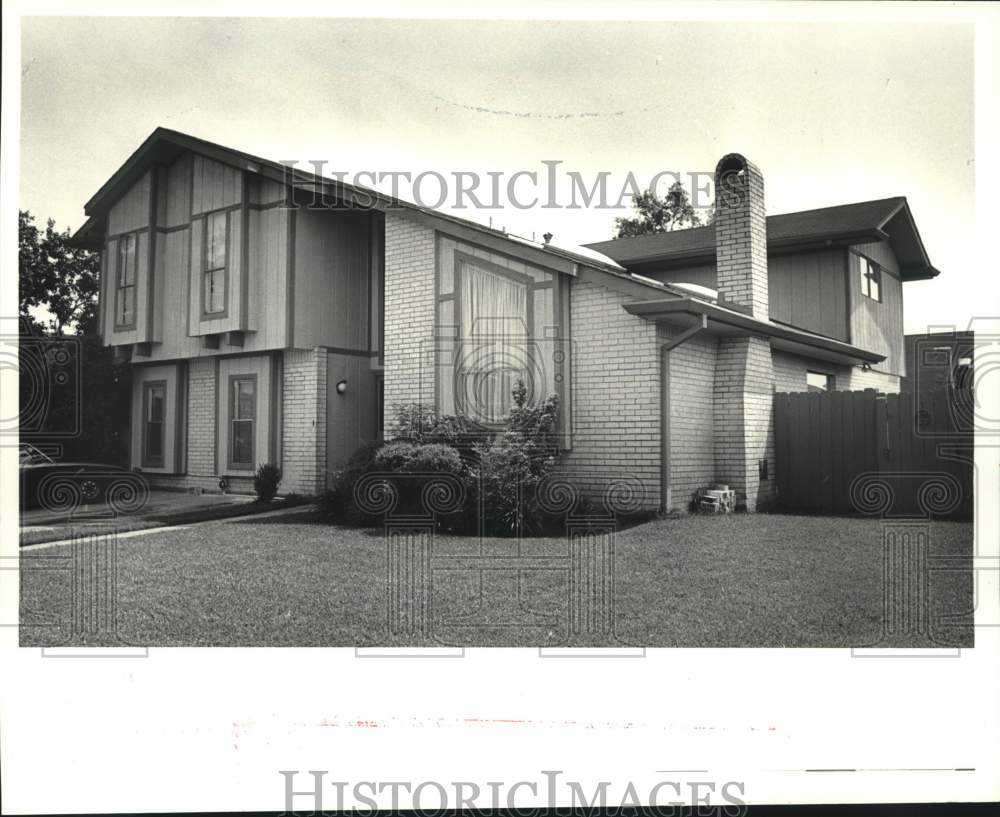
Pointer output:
x,y
907,454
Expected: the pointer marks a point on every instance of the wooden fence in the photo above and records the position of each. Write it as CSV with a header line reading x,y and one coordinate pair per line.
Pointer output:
x,y
896,455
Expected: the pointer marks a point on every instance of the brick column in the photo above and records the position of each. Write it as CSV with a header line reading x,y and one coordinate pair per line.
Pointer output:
x,y
201,422
303,427
409,313
742,411
744,373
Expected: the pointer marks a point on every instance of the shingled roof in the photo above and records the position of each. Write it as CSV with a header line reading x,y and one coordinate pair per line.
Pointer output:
x,y
884,219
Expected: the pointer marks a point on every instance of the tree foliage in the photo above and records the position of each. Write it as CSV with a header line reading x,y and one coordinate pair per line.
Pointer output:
x,y
59,279
655,214
59,284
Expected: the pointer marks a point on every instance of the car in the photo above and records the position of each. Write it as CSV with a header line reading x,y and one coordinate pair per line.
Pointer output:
x,y
66,487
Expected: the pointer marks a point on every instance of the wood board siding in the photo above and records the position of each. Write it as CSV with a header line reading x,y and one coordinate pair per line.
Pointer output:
x,y
214,185
878,325
807,290
350,417
131,211
332,270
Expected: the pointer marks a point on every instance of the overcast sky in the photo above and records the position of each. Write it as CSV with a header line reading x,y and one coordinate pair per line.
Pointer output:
x,y
831,113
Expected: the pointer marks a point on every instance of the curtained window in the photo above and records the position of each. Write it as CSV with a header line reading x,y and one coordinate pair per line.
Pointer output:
x,y
495,349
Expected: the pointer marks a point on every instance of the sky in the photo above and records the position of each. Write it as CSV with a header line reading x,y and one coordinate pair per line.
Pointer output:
x,y
830,112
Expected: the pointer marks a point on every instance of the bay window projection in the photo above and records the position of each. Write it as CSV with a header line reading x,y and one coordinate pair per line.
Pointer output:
x,y
496,325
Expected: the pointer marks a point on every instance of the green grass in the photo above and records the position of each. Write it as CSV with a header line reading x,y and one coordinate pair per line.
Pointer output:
x,y
736,581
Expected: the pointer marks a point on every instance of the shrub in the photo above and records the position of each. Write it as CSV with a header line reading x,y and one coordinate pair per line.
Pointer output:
x,y
497,471
510,470
266,481
409,468
412,420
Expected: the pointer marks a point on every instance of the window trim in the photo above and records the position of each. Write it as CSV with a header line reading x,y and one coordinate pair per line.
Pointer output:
x,y
204,269
147,461
875,275
231,419
134,286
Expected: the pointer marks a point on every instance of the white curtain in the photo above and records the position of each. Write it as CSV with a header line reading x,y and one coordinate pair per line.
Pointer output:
x,y
494,335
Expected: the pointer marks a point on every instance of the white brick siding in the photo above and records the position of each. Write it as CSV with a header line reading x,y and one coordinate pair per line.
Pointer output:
x,y
303,427
616,401
409,313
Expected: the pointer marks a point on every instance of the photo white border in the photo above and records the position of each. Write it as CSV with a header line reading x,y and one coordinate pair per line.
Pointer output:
x,y
186,729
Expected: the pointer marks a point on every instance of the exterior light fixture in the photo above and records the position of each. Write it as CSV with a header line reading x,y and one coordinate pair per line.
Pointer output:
x,y
341,386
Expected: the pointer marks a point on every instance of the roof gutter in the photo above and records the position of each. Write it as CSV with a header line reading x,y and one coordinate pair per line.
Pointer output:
x,y
738,323
665,350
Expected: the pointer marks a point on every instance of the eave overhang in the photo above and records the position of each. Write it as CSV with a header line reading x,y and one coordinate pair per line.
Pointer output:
x,y
722,322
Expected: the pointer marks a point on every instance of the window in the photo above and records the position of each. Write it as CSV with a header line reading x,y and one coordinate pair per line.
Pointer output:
x,y
819,382
871,279
242,419
495,308
214,276
154,423
125,282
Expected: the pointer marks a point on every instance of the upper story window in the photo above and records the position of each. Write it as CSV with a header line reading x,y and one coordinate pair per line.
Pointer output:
x,y
871,279
154,416
214,277
125,282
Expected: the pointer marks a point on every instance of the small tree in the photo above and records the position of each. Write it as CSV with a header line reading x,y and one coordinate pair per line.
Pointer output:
x,y
659,215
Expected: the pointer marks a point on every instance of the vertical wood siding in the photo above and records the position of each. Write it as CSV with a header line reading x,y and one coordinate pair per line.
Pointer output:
x,y
214,185
332,268
350,417
131,211
807,290
878,326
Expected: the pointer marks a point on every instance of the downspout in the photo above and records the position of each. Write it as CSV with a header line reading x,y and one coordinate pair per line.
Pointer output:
x,y
665,350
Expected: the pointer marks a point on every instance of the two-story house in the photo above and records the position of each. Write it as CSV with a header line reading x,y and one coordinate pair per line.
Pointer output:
x,y
276,316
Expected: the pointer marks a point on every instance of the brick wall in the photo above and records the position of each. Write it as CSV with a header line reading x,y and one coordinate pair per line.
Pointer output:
x,y
742,410
858,380
692,390
201,418
409,313
616,402
303,427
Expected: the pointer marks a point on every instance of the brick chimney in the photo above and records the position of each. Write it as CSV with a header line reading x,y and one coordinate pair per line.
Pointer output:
x,y
741,234
744,376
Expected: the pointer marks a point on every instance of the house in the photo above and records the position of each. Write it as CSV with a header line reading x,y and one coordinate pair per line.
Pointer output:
x,y
274,315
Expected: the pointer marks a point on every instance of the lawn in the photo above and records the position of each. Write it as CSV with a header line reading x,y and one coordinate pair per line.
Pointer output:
x,y
732,581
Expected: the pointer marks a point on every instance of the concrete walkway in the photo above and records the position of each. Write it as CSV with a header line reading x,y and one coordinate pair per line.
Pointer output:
x,y
161,508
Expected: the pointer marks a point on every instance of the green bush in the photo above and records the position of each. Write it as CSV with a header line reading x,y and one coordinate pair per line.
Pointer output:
x,y
498,471
266,481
